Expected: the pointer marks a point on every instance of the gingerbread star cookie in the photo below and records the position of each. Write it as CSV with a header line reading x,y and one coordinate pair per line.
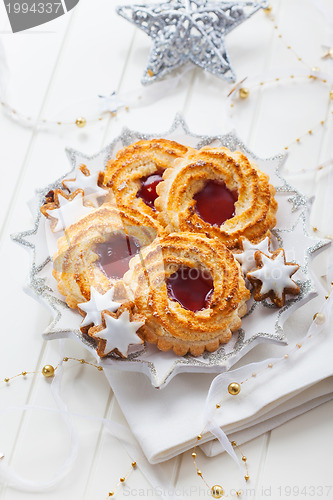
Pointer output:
x,y
65,209
246,257
117,332
98,302
272,278
87,182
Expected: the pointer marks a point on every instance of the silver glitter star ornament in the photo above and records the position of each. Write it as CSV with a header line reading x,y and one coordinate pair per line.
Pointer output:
x,y
189,30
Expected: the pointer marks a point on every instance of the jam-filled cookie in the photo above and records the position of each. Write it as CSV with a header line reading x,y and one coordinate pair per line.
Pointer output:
x,y
218,193
95,251
191,291
132,177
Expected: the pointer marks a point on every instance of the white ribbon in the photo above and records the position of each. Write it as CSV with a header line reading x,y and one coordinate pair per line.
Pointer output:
x,y
220,383
155,474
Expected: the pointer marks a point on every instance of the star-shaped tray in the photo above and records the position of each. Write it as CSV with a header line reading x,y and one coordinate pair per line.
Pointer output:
x,y
263,321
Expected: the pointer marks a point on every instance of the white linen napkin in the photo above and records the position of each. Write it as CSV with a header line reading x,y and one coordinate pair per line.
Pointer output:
x,y
166,422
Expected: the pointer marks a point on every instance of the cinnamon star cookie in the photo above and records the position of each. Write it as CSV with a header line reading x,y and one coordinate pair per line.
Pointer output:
x,y
272,278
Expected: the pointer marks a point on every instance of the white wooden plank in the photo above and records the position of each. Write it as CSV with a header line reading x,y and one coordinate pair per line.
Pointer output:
x,y
297,463
31,58
106,56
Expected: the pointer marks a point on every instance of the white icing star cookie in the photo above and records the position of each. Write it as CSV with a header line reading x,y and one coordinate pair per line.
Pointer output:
x,y
97,303
272,278
65,209
87,182
117,332
246,257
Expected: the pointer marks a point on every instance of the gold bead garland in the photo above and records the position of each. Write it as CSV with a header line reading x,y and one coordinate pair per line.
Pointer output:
x,y
79,122
244,92
48,371
234,389
122,479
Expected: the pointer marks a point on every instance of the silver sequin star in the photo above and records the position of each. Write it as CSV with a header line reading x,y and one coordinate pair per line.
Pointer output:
x,y
189,30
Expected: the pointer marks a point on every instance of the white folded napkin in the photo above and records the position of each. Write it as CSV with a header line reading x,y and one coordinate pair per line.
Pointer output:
x,y
166,422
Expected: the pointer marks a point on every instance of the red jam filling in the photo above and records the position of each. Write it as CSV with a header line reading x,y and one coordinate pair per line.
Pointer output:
x,y
147,190
115,254
215,203
191,287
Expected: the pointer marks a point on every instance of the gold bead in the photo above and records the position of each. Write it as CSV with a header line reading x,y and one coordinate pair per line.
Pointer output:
x,y
82,361
48,371
234,388
319,318
238,493
24,374
286,356
65,359
122,479
270,365
100,368
6,380
254,374
194,455
244,458
133,464
246,477
199,472
217,491
199,437
331,95
218,405
111,493
244,92
81,122
233,443
299,346
268,9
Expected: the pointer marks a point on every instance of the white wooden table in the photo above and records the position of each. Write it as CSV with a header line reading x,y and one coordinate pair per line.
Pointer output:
x,y
54,69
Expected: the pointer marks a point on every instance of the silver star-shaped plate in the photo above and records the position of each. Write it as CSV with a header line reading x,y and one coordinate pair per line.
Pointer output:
x,y
263,321
189,30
